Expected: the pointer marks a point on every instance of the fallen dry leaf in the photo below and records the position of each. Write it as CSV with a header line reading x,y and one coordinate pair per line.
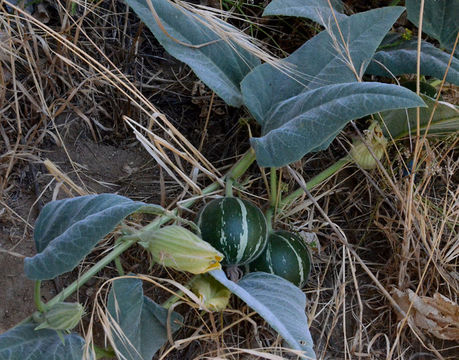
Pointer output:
x,y
438,314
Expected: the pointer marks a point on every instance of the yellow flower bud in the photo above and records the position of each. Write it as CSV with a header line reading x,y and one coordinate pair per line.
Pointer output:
x,y
375,139
180,249
213,295
62,316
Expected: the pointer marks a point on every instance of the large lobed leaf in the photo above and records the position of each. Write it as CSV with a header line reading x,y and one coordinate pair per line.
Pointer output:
x,y
221,65
24,343
311,120
317,10
402,59
67,230
143,323
401,123
440,19
320,61
279,302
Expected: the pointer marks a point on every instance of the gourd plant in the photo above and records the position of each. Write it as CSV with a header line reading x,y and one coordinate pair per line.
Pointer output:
x,y
68,230
301,103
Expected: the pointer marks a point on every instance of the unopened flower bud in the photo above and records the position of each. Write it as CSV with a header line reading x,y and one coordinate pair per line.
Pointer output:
x,y
180,249
213,295
375,139
62,316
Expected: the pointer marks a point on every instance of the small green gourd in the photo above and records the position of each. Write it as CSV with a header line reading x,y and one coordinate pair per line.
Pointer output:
x,y
235,227
286,255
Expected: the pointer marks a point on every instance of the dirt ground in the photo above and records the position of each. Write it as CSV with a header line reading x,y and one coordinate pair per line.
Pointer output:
x,y
126,170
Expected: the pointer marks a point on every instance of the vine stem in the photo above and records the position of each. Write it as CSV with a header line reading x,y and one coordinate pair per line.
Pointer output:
x,y
37,296
316,180
273,186
229,187
119,266
271,212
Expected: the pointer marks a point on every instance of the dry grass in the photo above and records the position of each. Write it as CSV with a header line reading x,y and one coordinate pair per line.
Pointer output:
x,y
380,233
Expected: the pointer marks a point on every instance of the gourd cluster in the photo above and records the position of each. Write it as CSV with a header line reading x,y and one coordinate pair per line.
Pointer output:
x,y
238,229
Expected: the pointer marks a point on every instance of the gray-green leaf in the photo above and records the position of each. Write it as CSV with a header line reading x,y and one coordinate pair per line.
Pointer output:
x,y
316,10
310,121
221,65
67,230
320,61
143,322
440,19
279,302
402,59
400,123
24,343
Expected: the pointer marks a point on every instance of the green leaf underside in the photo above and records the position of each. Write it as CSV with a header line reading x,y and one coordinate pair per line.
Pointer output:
x,y
235,227
400,123
24,343
279,302
142,321
318,63
316,10
285,255
310,121
221,65
402,59
67,230
440,19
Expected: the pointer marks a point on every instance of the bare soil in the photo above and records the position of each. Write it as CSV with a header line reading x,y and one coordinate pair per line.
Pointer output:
x,y
126,170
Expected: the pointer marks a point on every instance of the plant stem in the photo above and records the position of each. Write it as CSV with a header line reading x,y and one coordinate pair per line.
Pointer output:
x,y
229,187
127,242
37,296
119,267
316,180
273,186
271,212
104,353
269,219
117,260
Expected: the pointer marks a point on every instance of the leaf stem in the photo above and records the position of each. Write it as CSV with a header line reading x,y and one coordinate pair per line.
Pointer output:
x,y
119,266
273,187
316,180
37,296
269,219
104,353
271,212
229,187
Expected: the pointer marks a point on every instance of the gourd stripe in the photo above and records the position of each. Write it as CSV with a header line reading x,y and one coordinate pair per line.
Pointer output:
x,y
261,240
244,236
223,239
269,261
298,257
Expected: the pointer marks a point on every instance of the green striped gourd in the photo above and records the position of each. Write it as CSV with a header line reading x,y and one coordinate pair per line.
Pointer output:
x,y
235,227
286,255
